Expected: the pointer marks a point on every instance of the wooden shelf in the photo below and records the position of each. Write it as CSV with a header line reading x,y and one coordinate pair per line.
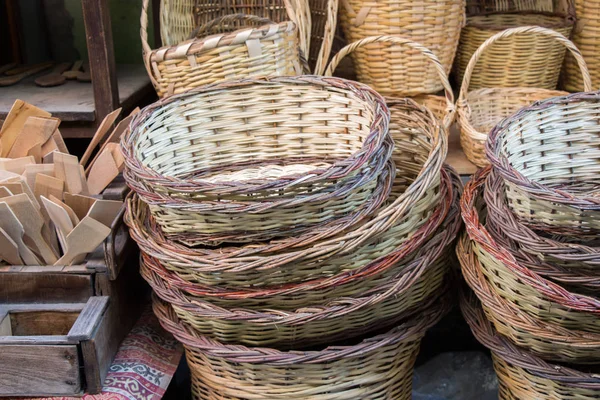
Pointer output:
x,y
74,101
456,157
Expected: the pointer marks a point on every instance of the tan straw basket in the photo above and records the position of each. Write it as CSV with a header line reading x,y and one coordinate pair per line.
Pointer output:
x,y
514,61
585,37
547,155
480,110
521,287
177,20
400,72
441,106
232,52
547,340
476,7
524,376
377,367
257,159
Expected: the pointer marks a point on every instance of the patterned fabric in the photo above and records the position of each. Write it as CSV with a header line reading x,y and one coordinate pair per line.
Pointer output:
x,y
143,366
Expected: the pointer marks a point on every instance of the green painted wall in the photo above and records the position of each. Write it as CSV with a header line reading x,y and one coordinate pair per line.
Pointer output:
x,y
125,16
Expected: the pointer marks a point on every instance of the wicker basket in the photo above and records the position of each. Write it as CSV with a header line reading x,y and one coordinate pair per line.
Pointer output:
x,y
477,7
547,155
441,106
378,367
524,376
416,195
572,264
327,279
231,171
480,110
323,35
515,61
520,286
400,72
238,51
546,340
585,36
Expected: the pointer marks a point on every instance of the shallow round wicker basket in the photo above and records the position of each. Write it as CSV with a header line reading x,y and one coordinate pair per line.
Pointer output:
x,y
526,290
546,340
574,265
547,156
415,197
260,158
585,37
441,106
480,110
524,376
224,48
515,61
378,367
394,71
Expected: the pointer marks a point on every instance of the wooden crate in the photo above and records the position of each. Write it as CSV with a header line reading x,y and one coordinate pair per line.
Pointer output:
x,y
52,349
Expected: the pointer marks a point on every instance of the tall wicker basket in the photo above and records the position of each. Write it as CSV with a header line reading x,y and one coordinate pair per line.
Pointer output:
x,y
585,37
394,71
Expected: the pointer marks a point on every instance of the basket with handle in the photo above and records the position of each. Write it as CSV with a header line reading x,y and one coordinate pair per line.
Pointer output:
x,y
517,60
551,181
547,340
394,71
478,111
374,367
572,264
177,20
414,202
585,37
235,51
518,285
441,106
523,375
214,166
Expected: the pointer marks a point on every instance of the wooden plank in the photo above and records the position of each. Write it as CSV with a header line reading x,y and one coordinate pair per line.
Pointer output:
x,y
89,318
36,340
5,327
27,370
456,158
42,323
29,286
96,16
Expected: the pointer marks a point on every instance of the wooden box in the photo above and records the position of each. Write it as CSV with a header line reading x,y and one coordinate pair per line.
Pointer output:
x,y
52,349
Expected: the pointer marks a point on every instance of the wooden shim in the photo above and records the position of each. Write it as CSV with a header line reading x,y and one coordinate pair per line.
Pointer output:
x,y
35,131
67,169
14,122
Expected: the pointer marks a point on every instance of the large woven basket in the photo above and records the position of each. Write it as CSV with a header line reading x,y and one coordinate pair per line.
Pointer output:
x,y
477,7
257,159
480,110
177,20
514,61
416,195
585,37
518,285
547,155
394,71
572,264
378,367
441,106
329,279
524,376
547,340
233,51
378,295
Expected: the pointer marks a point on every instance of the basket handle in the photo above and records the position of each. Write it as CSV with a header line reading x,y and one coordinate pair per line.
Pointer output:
x,y
587,81
225,19
299,13
449,95
146,50
328,37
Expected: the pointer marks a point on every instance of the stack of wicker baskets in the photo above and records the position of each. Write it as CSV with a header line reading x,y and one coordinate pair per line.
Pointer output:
x,y
297,239
531,250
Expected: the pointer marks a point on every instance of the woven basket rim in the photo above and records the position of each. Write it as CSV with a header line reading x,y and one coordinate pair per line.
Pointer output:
x,y
503,348
378,131
194,45
416,325
482,288
479,234
562,20
502,166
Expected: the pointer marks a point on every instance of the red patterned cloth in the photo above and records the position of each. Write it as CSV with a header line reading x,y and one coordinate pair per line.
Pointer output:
x,y
143,366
